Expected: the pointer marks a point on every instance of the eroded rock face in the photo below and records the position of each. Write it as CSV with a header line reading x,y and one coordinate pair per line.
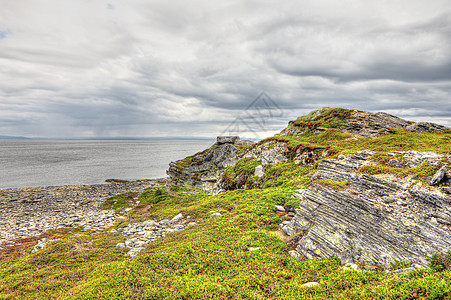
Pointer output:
x,y
206,167
426,127
376,220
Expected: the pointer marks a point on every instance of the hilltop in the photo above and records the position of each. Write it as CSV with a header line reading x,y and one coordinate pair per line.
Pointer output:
x,y
340,204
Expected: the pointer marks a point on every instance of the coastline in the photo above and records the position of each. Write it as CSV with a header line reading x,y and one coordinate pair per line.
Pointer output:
x,y
30,212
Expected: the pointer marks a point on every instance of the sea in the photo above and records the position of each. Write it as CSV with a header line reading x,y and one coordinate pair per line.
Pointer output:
x,y
34,163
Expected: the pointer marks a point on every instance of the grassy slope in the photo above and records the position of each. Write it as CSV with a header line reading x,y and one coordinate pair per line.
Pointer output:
x,y
212,259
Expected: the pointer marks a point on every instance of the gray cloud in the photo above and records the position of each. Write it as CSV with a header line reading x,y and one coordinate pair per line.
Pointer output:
x,y
178,68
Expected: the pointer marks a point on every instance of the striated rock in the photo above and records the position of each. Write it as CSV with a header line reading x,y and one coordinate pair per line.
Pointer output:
x,y
374,124
437,178
426,127
205,168
368,224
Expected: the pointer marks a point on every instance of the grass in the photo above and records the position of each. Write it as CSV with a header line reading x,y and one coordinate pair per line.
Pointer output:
x,y
423,172
338,186
210,260
120,201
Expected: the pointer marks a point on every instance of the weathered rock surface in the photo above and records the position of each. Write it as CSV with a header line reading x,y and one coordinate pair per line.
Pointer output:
x,y
426,127
375,221
206,167
30,212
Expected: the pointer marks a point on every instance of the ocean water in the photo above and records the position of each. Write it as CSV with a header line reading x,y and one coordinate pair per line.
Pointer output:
x,y
51,163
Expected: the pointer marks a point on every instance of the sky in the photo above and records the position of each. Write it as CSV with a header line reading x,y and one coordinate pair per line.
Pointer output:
x,y
201,68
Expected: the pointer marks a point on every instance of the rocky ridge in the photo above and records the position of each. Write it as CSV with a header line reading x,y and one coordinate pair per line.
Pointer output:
x,y
370,219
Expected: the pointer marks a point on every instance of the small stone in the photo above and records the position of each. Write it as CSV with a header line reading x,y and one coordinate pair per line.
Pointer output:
x,y
437,178
259,171
120,245
341,157
352,266
310,284
134,252
216,214
279,208
177,218
393,162
294,253
288,230
253,248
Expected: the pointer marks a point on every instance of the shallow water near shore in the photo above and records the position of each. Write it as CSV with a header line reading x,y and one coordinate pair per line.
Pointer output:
x,y
52,163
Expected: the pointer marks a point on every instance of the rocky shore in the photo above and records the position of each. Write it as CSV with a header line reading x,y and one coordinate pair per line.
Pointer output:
x,y
29,212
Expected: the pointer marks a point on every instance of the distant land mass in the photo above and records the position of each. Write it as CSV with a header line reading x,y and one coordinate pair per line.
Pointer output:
x,y
7,137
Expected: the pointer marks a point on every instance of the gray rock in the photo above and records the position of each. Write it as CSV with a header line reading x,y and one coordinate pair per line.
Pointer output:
x,y
310,284
134,252
393,162
401,271
426,127
259,171
176,218
279,208
358,227
220,140
341,157
437,178
293,254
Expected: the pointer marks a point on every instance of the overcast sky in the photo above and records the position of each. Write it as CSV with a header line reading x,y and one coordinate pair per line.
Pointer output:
x,y
133,68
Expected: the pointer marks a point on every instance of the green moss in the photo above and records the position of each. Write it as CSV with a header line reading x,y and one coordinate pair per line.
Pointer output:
x,y
119,201
239,175
153,196
338,186
423,172
402,140
286,174
326,117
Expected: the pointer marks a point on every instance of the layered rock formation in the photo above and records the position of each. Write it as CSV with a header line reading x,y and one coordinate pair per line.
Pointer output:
x,y
377,220
345,212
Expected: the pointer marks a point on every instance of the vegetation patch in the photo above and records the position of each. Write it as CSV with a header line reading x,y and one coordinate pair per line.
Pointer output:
x,y
238,175
120,201
338,186
325,117
440,261
283,174
423,172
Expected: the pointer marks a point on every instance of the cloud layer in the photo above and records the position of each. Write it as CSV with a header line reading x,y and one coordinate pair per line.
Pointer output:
x,y
190,68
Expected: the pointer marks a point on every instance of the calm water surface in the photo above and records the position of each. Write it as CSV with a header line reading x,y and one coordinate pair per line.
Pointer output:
x,y
50,163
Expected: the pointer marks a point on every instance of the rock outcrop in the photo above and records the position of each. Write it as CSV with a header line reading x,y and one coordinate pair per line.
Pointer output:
x,y
204,168
359,217
377,220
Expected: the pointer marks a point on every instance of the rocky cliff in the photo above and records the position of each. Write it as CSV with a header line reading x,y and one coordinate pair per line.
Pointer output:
x,y
378,190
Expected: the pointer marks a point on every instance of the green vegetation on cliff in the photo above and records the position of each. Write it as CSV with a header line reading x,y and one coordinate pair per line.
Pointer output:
x,y
238,254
